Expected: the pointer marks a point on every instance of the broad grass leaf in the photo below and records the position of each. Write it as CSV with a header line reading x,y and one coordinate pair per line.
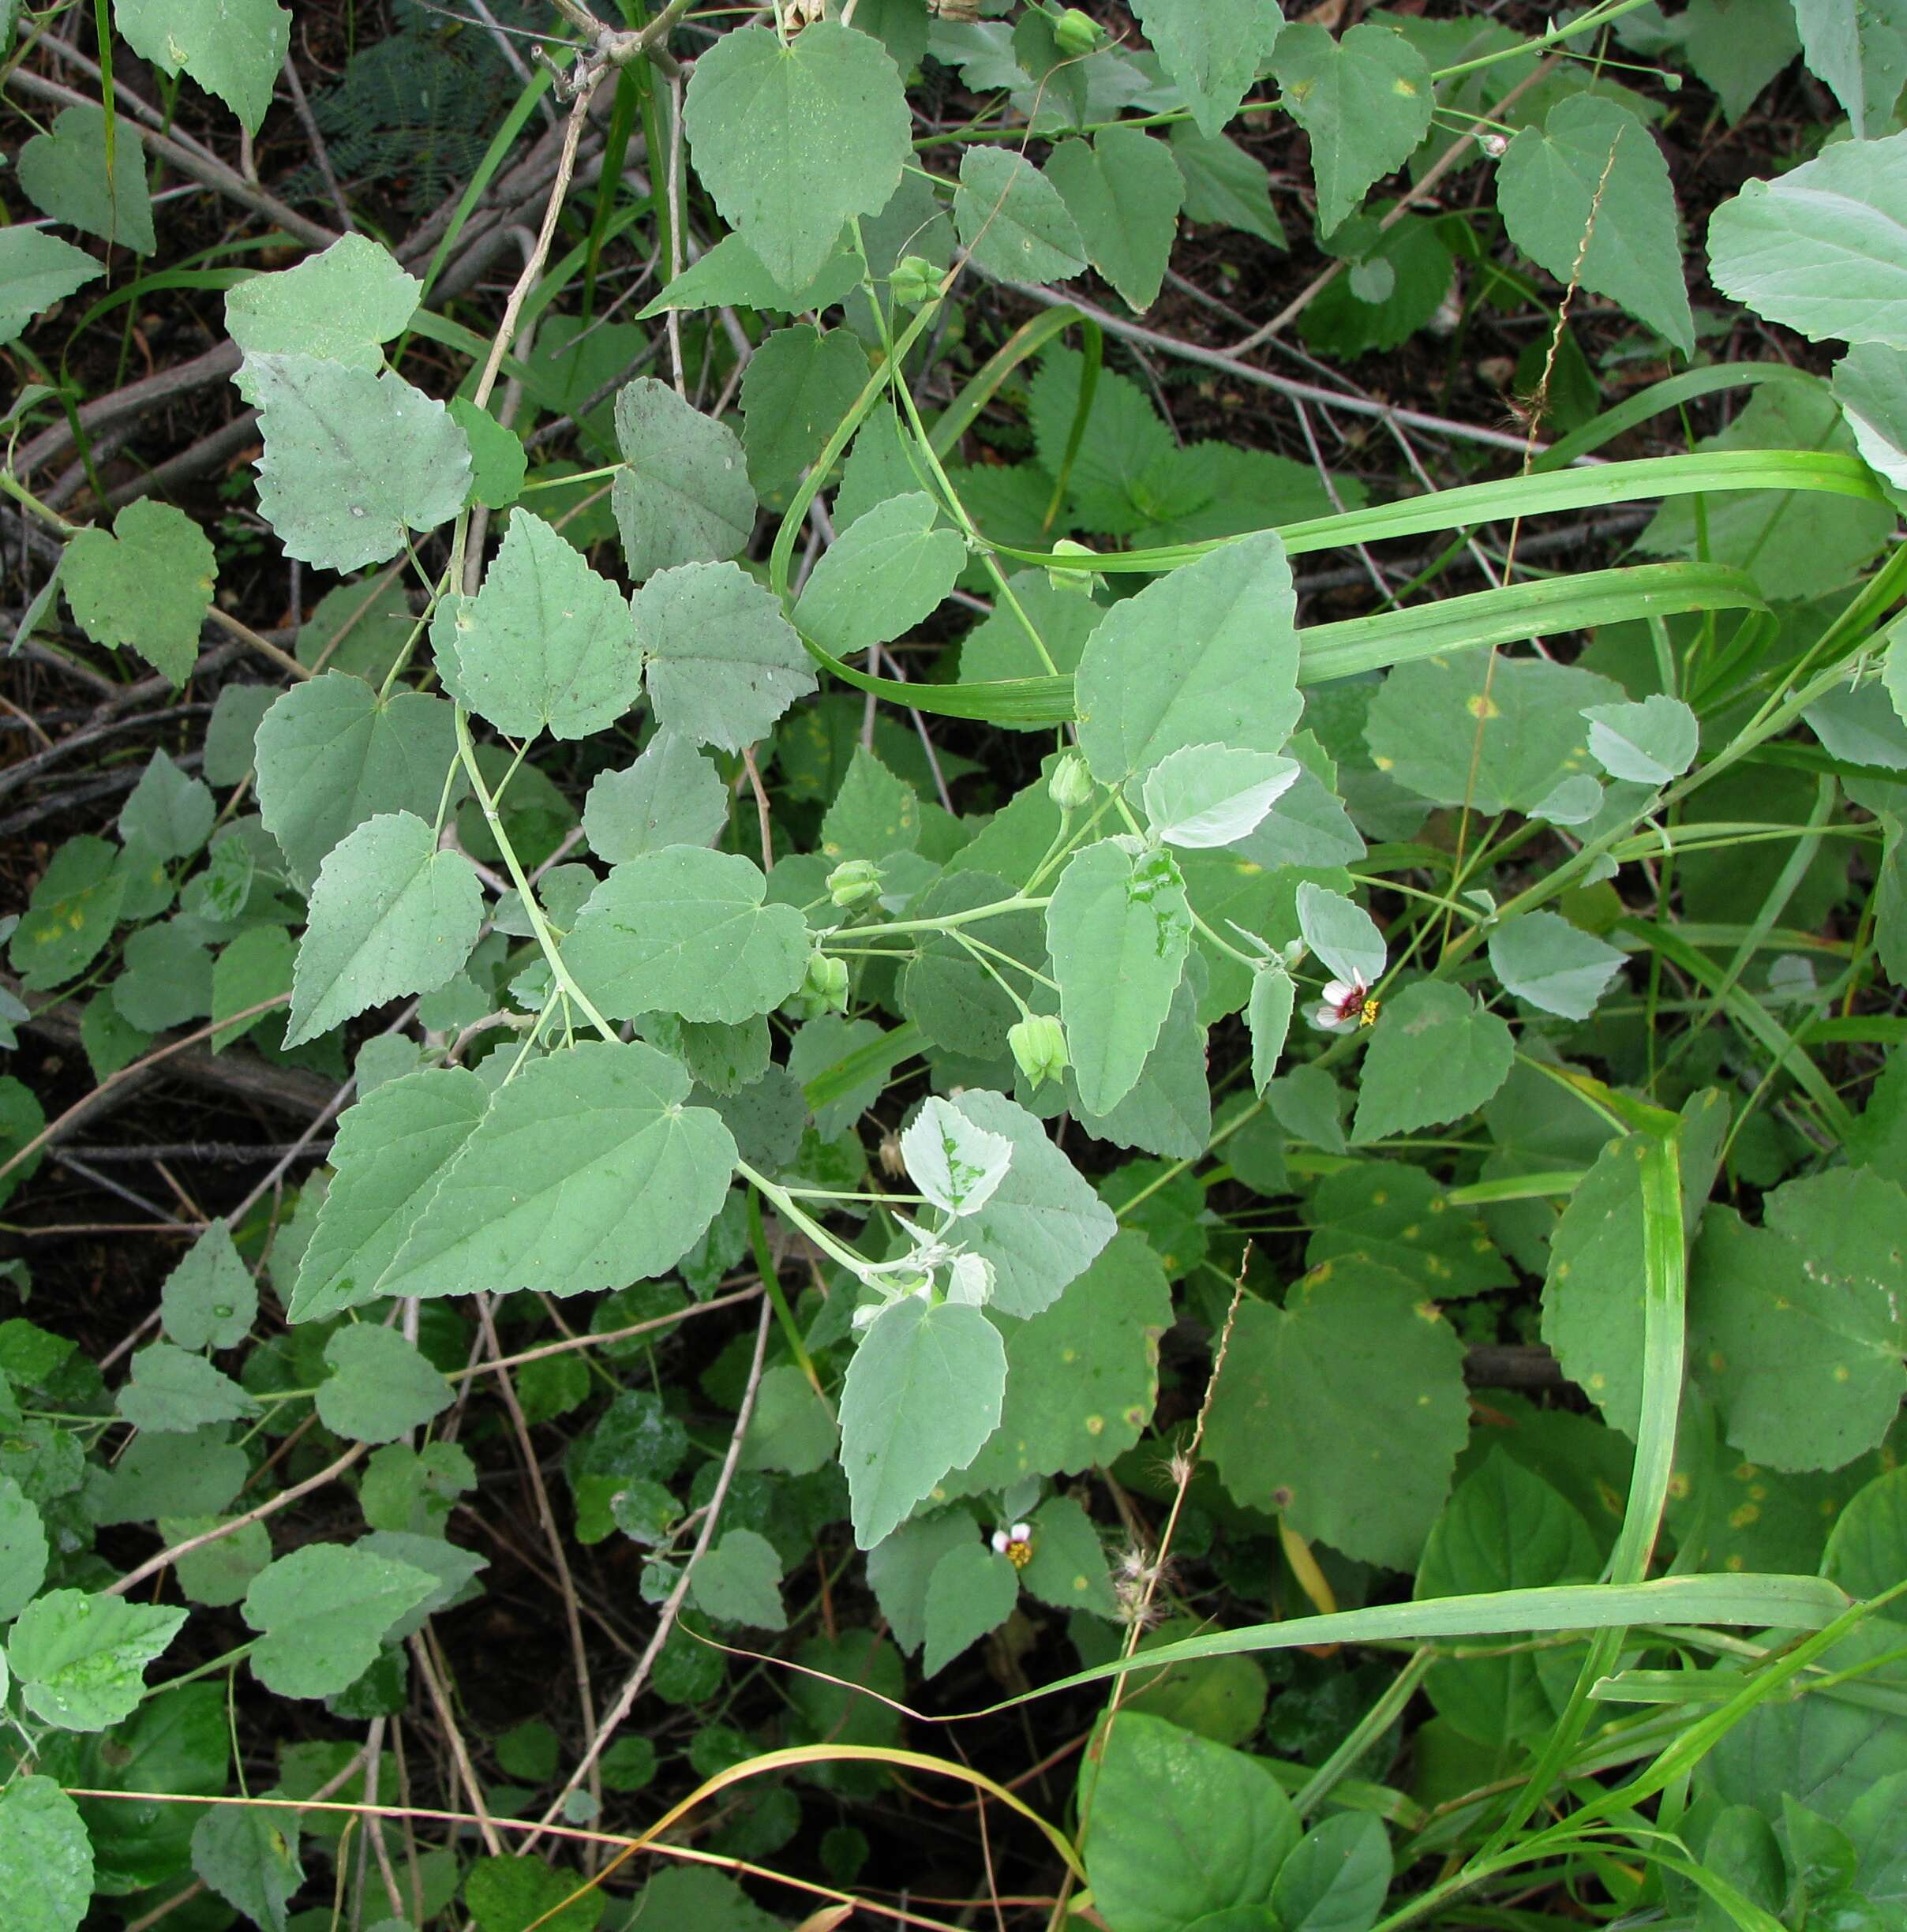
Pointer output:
x,y
1117,928
685,931
352,461
390,913
321,1613
341,306
682,495
1343,1411
147,587
923,1393
1365,99
793,137
546,644
1206,655
1179,1826
1593,173
586,1172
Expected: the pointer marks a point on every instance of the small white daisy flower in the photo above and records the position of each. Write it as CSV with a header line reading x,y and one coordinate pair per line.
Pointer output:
x,y
1341,1010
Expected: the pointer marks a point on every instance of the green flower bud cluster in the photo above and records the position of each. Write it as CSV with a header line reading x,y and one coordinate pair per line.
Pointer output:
x,y
1039,1044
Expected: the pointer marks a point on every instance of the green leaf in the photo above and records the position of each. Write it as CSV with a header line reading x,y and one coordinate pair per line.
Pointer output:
x,y
146,587
1042,1226
1210,795
671,795
1210,50
341,306
1593,174
685,931
730,275
1877,1823
1343,1411
168,814
722,662
248,1855
1860,51
1593,1297
321,1613
174,1392
586,1172
1816,248
972,1591
1435,1055
1123,193
1224,184
352,461
1870,383
512,1894
499,462
1082,1374
1336,1875
1498,734
71,913
1117,928
1068,1566
167,979
379,1387
546,643
63,173
256,966
1797,1327
1012,219
1179,1827
36,270
682,495
796,390
1646,743
233,49
332,755
46,1857
1365,99
740,1581
791,139
81,1658
923,1394
362,627
792,1428
874,814
24,1550
900,1565
1540,957
954,1162
1341,933
1504,1528
390,914
1867,1549
889,570
1268,1015
1206,655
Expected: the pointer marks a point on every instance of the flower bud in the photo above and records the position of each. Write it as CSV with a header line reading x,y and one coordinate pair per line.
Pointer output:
x,y
1075,33
1075,583
826,984
1071,785
913,280
1039,1044
855,883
